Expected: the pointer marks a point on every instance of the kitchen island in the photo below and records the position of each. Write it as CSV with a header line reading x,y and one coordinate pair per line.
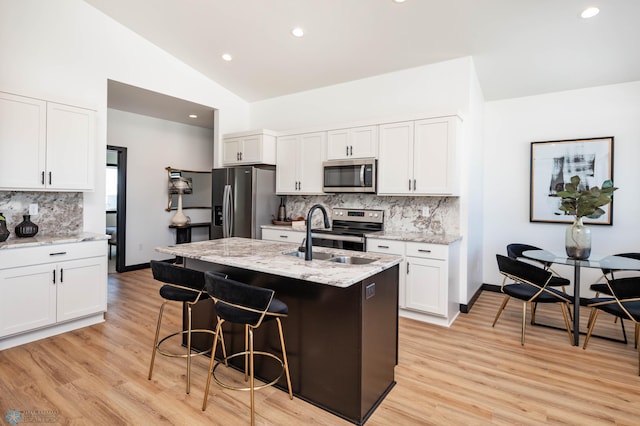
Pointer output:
x,y
342,329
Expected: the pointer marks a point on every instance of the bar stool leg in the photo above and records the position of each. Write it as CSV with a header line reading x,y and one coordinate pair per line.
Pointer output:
x,y
212,362
284,358
155,342
188,348
251,377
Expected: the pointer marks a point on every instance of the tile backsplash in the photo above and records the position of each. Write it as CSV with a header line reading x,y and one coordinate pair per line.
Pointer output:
x,y
400,213
59,213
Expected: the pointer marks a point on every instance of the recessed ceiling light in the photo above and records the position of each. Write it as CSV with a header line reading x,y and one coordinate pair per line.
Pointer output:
x,y
398,1
297,32
589,12
193,116
227,57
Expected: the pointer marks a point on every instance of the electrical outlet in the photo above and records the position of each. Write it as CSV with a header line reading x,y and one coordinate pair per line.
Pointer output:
x,y
33,209
425,211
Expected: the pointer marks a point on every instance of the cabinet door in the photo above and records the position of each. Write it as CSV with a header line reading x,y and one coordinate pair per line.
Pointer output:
x,y
338,144
82,288
395,166
251,150
287,159
364,142
27,298
396,248
231,150
426,285
70,145
284,236
23,125
434,156
312,154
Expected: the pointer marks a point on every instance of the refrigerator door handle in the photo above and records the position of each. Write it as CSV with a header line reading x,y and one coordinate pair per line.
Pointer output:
x,y
229,211
226,209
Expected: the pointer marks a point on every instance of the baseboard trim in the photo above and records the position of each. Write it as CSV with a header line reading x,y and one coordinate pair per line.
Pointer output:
x,y
465,309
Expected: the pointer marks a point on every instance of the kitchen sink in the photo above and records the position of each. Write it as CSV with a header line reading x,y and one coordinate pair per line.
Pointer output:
x,y
315,255
352,260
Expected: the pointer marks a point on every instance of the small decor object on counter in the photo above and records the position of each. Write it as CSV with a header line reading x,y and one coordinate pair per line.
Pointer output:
x,y
26,228
4,232
583,202
282,211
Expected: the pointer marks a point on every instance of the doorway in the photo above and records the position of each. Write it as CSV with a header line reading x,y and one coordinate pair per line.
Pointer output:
x,y
116,206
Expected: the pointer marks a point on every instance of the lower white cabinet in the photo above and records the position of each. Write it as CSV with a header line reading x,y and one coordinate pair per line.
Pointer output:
x,y
44,287
285,235
428,280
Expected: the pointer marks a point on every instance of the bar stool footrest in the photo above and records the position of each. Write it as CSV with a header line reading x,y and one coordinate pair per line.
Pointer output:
x,y
246,353
184,355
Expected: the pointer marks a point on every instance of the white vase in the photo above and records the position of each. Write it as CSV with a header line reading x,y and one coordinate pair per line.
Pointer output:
x,y
577,240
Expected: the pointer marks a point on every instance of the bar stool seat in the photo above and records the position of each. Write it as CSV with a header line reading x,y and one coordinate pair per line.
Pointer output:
x,y
250,306
185,286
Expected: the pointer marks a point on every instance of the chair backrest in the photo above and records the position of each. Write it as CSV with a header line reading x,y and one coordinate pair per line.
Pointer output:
x,y
169,273
515,250
625,288
522,271
238,302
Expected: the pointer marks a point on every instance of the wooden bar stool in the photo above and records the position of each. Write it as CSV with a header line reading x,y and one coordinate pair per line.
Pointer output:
x,y
185,286
250,306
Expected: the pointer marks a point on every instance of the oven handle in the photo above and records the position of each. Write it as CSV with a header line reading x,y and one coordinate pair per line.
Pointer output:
x,y
334,237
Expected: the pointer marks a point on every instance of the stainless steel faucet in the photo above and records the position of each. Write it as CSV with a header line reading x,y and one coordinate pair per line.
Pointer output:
x,y
308,250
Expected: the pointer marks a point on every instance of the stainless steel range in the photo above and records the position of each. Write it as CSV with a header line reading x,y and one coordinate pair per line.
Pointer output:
x,y
348,229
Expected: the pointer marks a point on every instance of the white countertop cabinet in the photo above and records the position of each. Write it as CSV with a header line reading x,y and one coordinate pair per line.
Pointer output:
x,y
49,289
283,235
256,148
51,145
356,142
299,163
428,280
419,157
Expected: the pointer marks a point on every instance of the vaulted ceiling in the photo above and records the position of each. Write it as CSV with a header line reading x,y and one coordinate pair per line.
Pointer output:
x,y
519,47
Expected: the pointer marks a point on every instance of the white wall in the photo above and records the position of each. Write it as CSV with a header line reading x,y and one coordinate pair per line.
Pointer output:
x,y
153,144
510,127
65,50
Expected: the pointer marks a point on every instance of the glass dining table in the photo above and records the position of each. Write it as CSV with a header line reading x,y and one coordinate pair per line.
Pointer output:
x,y
594,261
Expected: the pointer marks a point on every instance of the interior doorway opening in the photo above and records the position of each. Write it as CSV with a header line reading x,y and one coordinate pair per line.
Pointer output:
x,y
116,206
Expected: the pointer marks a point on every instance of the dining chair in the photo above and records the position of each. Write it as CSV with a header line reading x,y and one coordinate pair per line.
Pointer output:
x,y
531,285
250,306
600,287
624,303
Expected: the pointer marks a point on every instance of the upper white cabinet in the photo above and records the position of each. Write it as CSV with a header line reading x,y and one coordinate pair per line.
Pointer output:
x,y
356,142
299,163
51,145
419,157
258,147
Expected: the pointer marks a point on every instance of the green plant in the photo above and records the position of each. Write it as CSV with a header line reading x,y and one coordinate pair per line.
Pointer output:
x,y
2,217
586,202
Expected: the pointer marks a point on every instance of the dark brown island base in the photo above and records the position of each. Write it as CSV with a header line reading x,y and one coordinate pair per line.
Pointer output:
x,y
341,338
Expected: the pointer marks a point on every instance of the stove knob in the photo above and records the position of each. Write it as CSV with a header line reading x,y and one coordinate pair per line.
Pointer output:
x,y
375,215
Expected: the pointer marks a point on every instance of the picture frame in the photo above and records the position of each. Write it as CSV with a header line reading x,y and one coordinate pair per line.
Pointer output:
x,y
553,163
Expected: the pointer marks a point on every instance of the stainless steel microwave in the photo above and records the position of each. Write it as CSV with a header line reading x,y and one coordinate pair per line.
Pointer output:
x,y
358,175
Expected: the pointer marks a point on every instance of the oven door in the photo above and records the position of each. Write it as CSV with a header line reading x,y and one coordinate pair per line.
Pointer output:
x,y
337,241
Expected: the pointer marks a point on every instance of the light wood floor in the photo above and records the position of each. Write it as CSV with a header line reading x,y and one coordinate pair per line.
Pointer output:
x,y
469,374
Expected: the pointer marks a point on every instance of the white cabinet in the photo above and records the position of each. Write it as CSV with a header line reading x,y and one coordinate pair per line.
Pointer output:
x,y
356,142
419,157
429,279
51,145
46,288
283,235
299,163
258,147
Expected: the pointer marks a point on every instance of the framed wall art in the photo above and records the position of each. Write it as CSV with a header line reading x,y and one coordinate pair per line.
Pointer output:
x,y
553,163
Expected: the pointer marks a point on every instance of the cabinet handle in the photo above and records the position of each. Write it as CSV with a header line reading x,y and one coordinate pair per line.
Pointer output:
x,y
42,178
49,178
351,150
383,247
407,267
61,275
58,253
347,153
409,184
240,156
414,184
424,251
54,276
284,236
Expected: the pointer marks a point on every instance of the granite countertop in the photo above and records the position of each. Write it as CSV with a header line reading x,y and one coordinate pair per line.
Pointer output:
x,y
416,237
269,257
43,240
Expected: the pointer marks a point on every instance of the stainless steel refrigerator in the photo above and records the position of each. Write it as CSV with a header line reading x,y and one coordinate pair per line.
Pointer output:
x,y
243,199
